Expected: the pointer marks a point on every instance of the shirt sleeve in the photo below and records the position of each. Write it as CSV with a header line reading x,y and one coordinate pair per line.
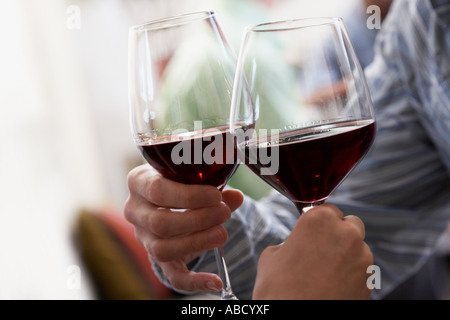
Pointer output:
x,y
416,45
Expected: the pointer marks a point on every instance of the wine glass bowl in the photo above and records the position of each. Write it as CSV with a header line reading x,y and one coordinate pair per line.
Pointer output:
x,y
181,73
301,90
190,161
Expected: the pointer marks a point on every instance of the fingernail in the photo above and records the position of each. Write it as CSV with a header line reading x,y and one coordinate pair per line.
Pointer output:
x,y
210,285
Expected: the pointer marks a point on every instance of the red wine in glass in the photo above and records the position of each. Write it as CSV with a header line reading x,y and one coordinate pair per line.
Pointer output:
x,y
312,161
209,159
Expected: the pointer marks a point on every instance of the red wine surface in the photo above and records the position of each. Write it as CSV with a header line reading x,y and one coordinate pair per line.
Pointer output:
x,y
209,159
312,162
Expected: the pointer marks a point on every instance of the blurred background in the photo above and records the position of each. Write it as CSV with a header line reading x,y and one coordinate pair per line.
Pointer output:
x,y
65,140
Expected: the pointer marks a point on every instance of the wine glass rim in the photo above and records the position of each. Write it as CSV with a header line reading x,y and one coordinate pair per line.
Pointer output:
x,y
173,21
293,24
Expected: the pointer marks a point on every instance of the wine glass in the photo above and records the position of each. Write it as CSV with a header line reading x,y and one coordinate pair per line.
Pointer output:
x,y
301,109
181,73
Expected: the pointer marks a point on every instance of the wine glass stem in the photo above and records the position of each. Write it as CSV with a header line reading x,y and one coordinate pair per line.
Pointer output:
x,y
302,208
227,293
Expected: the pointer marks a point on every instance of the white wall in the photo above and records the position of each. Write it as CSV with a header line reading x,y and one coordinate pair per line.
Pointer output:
x,y
48,159
65,143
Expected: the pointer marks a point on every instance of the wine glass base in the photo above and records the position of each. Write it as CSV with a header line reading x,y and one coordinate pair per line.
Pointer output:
x,y
303,207
228,295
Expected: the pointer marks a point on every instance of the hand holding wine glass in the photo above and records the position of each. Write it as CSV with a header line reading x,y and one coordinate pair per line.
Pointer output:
x,y
181,75
307,265
175,240
305,142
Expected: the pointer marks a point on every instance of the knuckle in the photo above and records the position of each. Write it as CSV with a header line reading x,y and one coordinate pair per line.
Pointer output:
x,y
132,177
128,210
157,249
327,211
353,231
352,242
157,224
153,189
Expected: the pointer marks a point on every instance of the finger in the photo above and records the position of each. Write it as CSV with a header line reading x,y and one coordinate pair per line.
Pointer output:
x,y
322,217
356,222
182,278
163,192
332,209
164,250
233,198
166,223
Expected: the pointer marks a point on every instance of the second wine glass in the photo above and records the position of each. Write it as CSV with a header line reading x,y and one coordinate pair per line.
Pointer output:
x,y
301,109
181,73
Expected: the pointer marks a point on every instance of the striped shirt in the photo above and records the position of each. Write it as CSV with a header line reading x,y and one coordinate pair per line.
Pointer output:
x,y
401,190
